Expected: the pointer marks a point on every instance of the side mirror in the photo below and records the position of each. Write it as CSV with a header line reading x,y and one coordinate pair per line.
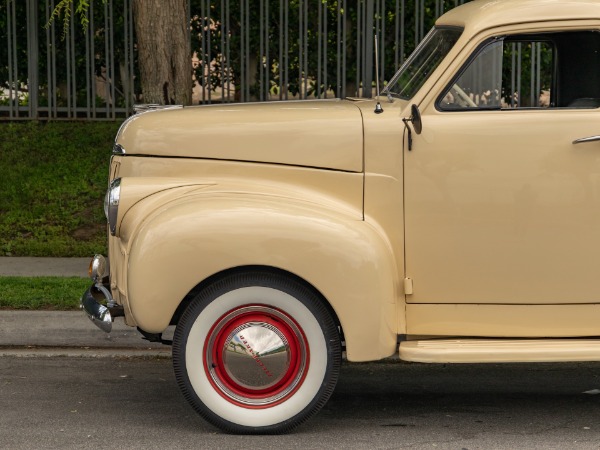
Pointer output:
x,y
415,118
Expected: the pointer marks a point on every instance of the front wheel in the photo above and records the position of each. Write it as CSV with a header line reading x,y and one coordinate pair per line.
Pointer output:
x,y
257,352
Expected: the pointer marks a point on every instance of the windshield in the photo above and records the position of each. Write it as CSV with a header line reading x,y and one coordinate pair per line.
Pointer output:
x,y
423,61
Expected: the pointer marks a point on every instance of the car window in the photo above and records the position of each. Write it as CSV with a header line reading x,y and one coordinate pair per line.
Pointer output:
x,y
552,70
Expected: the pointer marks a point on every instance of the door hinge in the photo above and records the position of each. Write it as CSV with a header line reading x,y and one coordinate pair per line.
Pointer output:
x,y
408,286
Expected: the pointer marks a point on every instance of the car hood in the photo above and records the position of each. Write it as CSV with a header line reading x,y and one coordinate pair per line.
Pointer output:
x,y
324,134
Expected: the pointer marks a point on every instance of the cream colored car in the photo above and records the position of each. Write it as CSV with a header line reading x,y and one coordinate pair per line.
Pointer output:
x,y
459,225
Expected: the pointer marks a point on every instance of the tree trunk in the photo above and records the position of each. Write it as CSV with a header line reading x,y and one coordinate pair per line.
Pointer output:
x,y
164,53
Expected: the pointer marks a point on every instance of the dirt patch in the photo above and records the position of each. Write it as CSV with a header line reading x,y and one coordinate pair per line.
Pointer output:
x,y
87,232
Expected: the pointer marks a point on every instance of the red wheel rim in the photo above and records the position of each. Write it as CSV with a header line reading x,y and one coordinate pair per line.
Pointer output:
x,y
256,356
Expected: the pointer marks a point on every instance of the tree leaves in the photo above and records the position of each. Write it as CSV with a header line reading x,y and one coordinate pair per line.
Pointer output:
x,y
65,8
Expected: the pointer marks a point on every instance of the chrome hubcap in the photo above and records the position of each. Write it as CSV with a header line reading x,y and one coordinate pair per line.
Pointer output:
x,y
256,356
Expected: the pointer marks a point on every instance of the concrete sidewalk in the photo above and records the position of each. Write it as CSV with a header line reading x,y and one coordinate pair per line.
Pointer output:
x,y
69,333
37,267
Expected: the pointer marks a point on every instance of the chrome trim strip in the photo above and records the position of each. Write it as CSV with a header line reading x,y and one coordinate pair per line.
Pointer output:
x,y
112,200
153,107
586,139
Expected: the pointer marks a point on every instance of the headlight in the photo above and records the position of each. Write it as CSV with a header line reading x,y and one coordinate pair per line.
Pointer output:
x,y
111,204
97,270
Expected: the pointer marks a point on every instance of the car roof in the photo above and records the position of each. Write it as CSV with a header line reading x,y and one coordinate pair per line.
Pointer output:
x,y
480,15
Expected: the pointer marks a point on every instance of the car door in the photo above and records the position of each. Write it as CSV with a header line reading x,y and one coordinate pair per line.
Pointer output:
x,y
502,191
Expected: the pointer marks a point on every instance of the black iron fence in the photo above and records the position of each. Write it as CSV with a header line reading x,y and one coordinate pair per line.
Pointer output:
x,y
243,50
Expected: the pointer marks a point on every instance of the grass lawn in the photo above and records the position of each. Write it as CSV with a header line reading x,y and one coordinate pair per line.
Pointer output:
x,y
53,177
57,293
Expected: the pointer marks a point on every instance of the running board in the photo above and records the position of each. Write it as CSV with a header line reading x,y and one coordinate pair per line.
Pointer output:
x,y
499,350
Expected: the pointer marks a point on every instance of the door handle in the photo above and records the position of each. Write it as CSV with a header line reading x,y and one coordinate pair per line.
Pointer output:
x,y
586,139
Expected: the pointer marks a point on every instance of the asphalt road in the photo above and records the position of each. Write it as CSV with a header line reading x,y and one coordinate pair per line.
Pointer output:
x,y
94,403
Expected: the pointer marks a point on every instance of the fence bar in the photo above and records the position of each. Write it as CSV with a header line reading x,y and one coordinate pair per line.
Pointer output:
x,y
305,49
369,28
92,54
89,75
111,56
32,66
125,72
319,47
381,39
261,51
209,57
68,60
107,63
228,54
223,61
359,53
538,74
72,89
49,83
519,60
267,53
286,50
249,77
131,75
54,68
345,47
532,99
338,60
325,49
13,74
402,33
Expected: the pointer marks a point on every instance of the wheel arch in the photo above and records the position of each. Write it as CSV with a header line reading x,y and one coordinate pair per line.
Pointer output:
x,y
263,269
180,249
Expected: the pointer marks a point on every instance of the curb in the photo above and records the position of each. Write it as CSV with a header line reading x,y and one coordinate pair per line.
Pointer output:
x,y
85,352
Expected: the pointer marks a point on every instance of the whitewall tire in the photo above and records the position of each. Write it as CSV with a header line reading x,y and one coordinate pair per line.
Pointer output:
x,y
257,352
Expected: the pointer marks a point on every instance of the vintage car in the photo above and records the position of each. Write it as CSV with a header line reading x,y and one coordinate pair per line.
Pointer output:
x,y
453,219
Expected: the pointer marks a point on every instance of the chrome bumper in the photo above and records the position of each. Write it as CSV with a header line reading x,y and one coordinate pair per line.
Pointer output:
x,y
98,313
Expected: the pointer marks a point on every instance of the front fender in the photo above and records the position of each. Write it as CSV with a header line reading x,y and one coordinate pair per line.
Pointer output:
x,y
188,240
